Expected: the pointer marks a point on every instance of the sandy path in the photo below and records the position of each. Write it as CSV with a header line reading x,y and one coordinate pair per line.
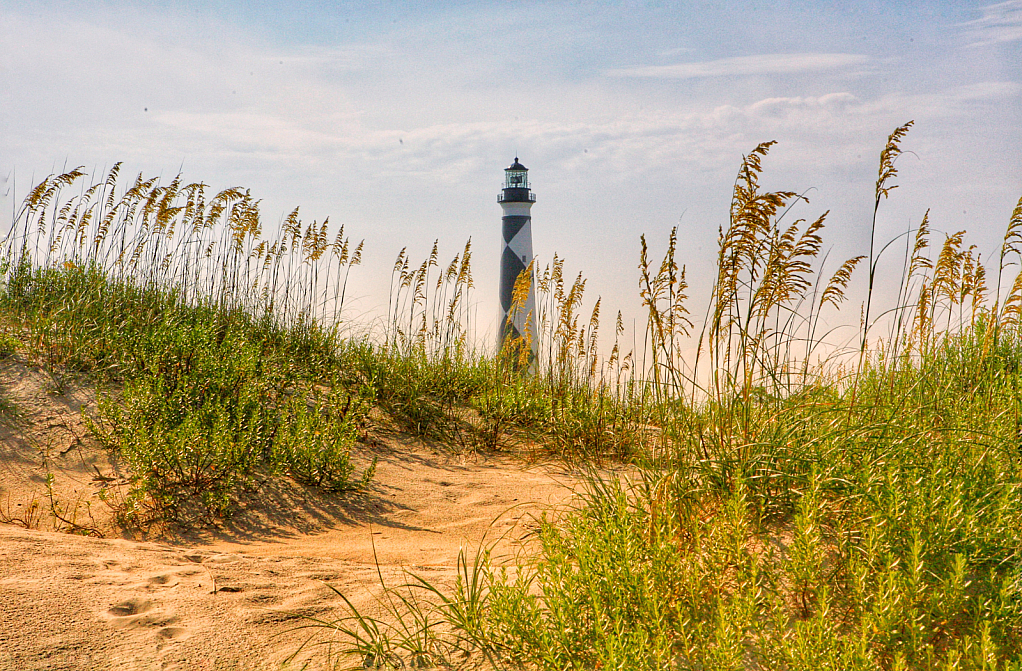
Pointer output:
x,y
423,508
70,602
227,597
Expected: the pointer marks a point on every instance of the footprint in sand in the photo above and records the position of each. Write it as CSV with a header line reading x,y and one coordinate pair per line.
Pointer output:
x,y
130,607
162,580
173,633
134,613
265,599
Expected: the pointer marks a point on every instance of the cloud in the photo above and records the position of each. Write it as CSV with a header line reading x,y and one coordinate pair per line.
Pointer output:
x,y
676,51
998,24
763,64
988,91
347,58
830,101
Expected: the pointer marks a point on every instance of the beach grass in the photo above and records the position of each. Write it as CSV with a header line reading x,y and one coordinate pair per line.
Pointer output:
x,y
788,502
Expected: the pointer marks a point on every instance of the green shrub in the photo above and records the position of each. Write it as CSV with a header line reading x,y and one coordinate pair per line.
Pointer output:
x,y
8,345
314,438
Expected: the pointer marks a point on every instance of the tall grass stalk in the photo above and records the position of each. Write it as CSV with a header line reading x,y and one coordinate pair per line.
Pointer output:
x,y
793,509
795,503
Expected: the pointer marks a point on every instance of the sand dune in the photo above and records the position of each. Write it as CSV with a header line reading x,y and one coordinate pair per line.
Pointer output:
x,y
230,596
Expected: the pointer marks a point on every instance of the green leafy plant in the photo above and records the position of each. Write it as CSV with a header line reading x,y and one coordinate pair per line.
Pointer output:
x,y
792,502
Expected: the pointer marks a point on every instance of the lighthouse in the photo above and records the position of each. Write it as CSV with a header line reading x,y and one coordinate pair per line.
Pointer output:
x,y
516,200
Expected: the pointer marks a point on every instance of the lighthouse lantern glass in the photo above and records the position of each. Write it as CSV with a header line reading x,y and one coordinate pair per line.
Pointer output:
x,y
516,179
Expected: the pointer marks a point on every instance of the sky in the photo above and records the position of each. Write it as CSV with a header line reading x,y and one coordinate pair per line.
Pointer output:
x,y
397,119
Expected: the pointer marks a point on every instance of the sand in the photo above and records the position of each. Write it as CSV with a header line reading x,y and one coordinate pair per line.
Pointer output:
x,y
229,596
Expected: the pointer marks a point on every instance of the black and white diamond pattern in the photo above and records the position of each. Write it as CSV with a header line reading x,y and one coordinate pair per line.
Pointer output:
x,y
516,257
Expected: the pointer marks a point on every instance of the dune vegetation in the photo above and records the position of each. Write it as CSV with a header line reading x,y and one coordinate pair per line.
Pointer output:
x,y
789,504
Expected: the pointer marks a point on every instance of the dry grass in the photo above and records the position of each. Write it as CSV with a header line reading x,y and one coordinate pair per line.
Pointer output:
x,y
799,505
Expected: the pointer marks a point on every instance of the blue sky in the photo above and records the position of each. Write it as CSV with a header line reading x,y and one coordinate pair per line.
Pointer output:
x,y
397,119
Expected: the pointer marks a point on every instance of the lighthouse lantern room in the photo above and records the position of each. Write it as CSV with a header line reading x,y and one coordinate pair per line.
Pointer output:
x,y
516,176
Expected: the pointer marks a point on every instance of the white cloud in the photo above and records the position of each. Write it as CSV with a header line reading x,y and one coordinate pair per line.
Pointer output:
x,y
407,148
348,58
763,64
999,23
830,101
676,51
988,90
